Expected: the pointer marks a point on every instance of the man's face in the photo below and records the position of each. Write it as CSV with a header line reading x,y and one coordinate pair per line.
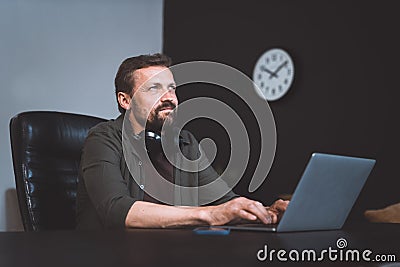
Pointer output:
x,y
154,95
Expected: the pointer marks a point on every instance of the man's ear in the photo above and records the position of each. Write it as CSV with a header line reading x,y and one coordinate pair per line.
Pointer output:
x,y
124,100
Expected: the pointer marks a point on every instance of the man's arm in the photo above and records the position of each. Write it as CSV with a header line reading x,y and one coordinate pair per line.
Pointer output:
x,y
149,215
104,184
231,208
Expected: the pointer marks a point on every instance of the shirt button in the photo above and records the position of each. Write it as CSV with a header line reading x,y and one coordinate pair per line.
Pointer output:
x,y
140,163
141,186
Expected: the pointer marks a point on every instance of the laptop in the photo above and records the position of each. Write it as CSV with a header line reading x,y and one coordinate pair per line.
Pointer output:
x,y
323,197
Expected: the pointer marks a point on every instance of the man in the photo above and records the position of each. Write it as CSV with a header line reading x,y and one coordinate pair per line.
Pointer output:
x,y
109,196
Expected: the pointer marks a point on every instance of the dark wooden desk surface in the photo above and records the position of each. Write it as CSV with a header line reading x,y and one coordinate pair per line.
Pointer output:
x,y
181,247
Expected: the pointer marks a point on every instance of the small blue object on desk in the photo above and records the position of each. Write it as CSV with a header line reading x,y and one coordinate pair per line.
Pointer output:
x,y
211,231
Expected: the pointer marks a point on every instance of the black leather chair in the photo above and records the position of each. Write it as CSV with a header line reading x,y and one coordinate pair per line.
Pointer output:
x,y
46,149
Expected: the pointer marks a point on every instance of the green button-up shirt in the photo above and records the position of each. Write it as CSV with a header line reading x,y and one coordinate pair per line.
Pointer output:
x,y
106,188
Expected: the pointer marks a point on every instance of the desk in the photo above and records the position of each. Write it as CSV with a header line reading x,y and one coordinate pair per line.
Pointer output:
x,y
181,247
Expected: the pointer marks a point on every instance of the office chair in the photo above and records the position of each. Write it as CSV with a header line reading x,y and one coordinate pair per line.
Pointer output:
x,y
46,150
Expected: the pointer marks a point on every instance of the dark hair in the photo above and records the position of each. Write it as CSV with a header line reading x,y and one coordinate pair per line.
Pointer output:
x,y
124,81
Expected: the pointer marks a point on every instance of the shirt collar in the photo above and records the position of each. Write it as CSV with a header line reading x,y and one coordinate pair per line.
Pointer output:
x,y
120,121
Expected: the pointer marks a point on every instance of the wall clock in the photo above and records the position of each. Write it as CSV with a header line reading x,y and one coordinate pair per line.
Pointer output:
x,y
273,74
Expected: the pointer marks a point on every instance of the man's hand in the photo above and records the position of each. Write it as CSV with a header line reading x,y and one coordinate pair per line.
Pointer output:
x,y
150,215
244,209
278,208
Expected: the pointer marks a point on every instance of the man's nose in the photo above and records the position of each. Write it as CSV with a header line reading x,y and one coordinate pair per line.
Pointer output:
x,y
169,95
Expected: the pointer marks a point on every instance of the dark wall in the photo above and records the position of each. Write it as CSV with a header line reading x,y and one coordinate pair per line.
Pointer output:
x,y
344,98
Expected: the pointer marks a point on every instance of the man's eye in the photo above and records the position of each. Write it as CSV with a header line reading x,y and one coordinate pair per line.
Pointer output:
x,y
153,88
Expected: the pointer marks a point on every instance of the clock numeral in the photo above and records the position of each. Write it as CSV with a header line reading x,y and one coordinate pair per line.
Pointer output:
x,y
273,91
262,84
267,60
289,71
280,88
267,89
259,76
274,56
285,81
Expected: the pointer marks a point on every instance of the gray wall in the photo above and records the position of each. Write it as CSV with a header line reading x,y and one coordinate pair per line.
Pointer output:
x,y
63,56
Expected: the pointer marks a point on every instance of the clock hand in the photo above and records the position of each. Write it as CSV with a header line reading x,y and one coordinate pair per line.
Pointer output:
x,y
279,68
272,74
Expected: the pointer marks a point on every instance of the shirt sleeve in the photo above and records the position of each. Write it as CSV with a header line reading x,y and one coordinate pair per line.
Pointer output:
x,y
208,175
105,185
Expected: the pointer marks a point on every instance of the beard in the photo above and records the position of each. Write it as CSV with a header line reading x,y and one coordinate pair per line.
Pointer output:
x,y
158,117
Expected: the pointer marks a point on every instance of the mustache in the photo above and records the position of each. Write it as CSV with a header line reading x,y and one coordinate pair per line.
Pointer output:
x,y
166,104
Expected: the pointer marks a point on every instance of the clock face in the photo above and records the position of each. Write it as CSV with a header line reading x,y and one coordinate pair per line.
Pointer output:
x,y
273,74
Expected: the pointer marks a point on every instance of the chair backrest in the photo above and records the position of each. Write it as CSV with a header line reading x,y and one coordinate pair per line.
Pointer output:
x,y
46,149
